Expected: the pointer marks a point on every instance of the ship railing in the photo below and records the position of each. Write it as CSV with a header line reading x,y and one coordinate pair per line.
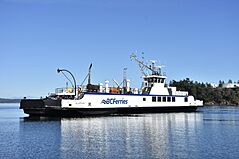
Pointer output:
x,y
180,93
112,90
64,91
82,88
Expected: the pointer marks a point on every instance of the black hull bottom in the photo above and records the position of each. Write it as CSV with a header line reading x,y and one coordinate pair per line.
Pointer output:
x,y
104,111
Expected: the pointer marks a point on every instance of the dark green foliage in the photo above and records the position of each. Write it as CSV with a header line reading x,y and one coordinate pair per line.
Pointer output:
x,y
205,92
221,83
230,81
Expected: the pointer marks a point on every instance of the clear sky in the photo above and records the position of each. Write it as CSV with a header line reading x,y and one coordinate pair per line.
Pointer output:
x,y
198,39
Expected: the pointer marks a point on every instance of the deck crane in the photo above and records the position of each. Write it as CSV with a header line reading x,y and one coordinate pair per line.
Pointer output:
x,y
156,70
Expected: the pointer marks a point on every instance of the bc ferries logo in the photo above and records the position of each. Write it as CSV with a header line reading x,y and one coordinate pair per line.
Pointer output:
x,y
114,101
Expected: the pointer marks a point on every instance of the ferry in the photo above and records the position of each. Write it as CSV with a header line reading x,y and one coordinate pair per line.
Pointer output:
x,y
154,96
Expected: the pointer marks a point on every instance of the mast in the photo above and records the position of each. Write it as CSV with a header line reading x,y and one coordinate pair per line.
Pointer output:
x,y
156,70
89,73
124,80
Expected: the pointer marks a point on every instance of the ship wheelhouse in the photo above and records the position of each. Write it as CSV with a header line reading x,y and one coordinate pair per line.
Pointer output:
x,y
153,79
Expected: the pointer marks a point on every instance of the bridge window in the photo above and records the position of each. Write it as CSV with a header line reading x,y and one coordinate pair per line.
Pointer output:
x,y
173,99
153,99
169,99
164,99
186,99
162,81
155,80
159,99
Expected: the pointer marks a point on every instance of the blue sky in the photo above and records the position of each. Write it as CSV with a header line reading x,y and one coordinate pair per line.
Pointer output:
x,y
198,39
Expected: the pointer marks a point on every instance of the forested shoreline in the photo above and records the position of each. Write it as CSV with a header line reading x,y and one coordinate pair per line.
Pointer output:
x,y
4,100
205,91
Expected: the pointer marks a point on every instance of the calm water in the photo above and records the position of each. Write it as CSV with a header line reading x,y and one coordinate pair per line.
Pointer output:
x,y
213,132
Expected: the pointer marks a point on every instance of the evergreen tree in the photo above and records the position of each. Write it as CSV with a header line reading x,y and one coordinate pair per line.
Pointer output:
x,y
205,92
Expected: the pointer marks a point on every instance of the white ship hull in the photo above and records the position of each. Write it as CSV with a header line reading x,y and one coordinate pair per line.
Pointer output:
x,y
100,100
108,104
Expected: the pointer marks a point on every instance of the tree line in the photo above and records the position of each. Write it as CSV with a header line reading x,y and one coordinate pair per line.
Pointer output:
x,y
3,100
205,92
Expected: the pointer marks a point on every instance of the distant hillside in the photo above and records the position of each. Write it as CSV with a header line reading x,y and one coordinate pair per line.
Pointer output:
x,y
3,100
210,95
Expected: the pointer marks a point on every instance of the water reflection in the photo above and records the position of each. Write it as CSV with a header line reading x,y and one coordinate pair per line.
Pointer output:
x,y
211,133
127,137
143,136
39,119
222,115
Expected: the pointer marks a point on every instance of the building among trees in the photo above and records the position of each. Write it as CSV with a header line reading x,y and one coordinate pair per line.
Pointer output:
x,y
223,94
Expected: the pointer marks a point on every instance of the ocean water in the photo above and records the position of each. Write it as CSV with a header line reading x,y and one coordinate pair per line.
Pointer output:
x,y
211,132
